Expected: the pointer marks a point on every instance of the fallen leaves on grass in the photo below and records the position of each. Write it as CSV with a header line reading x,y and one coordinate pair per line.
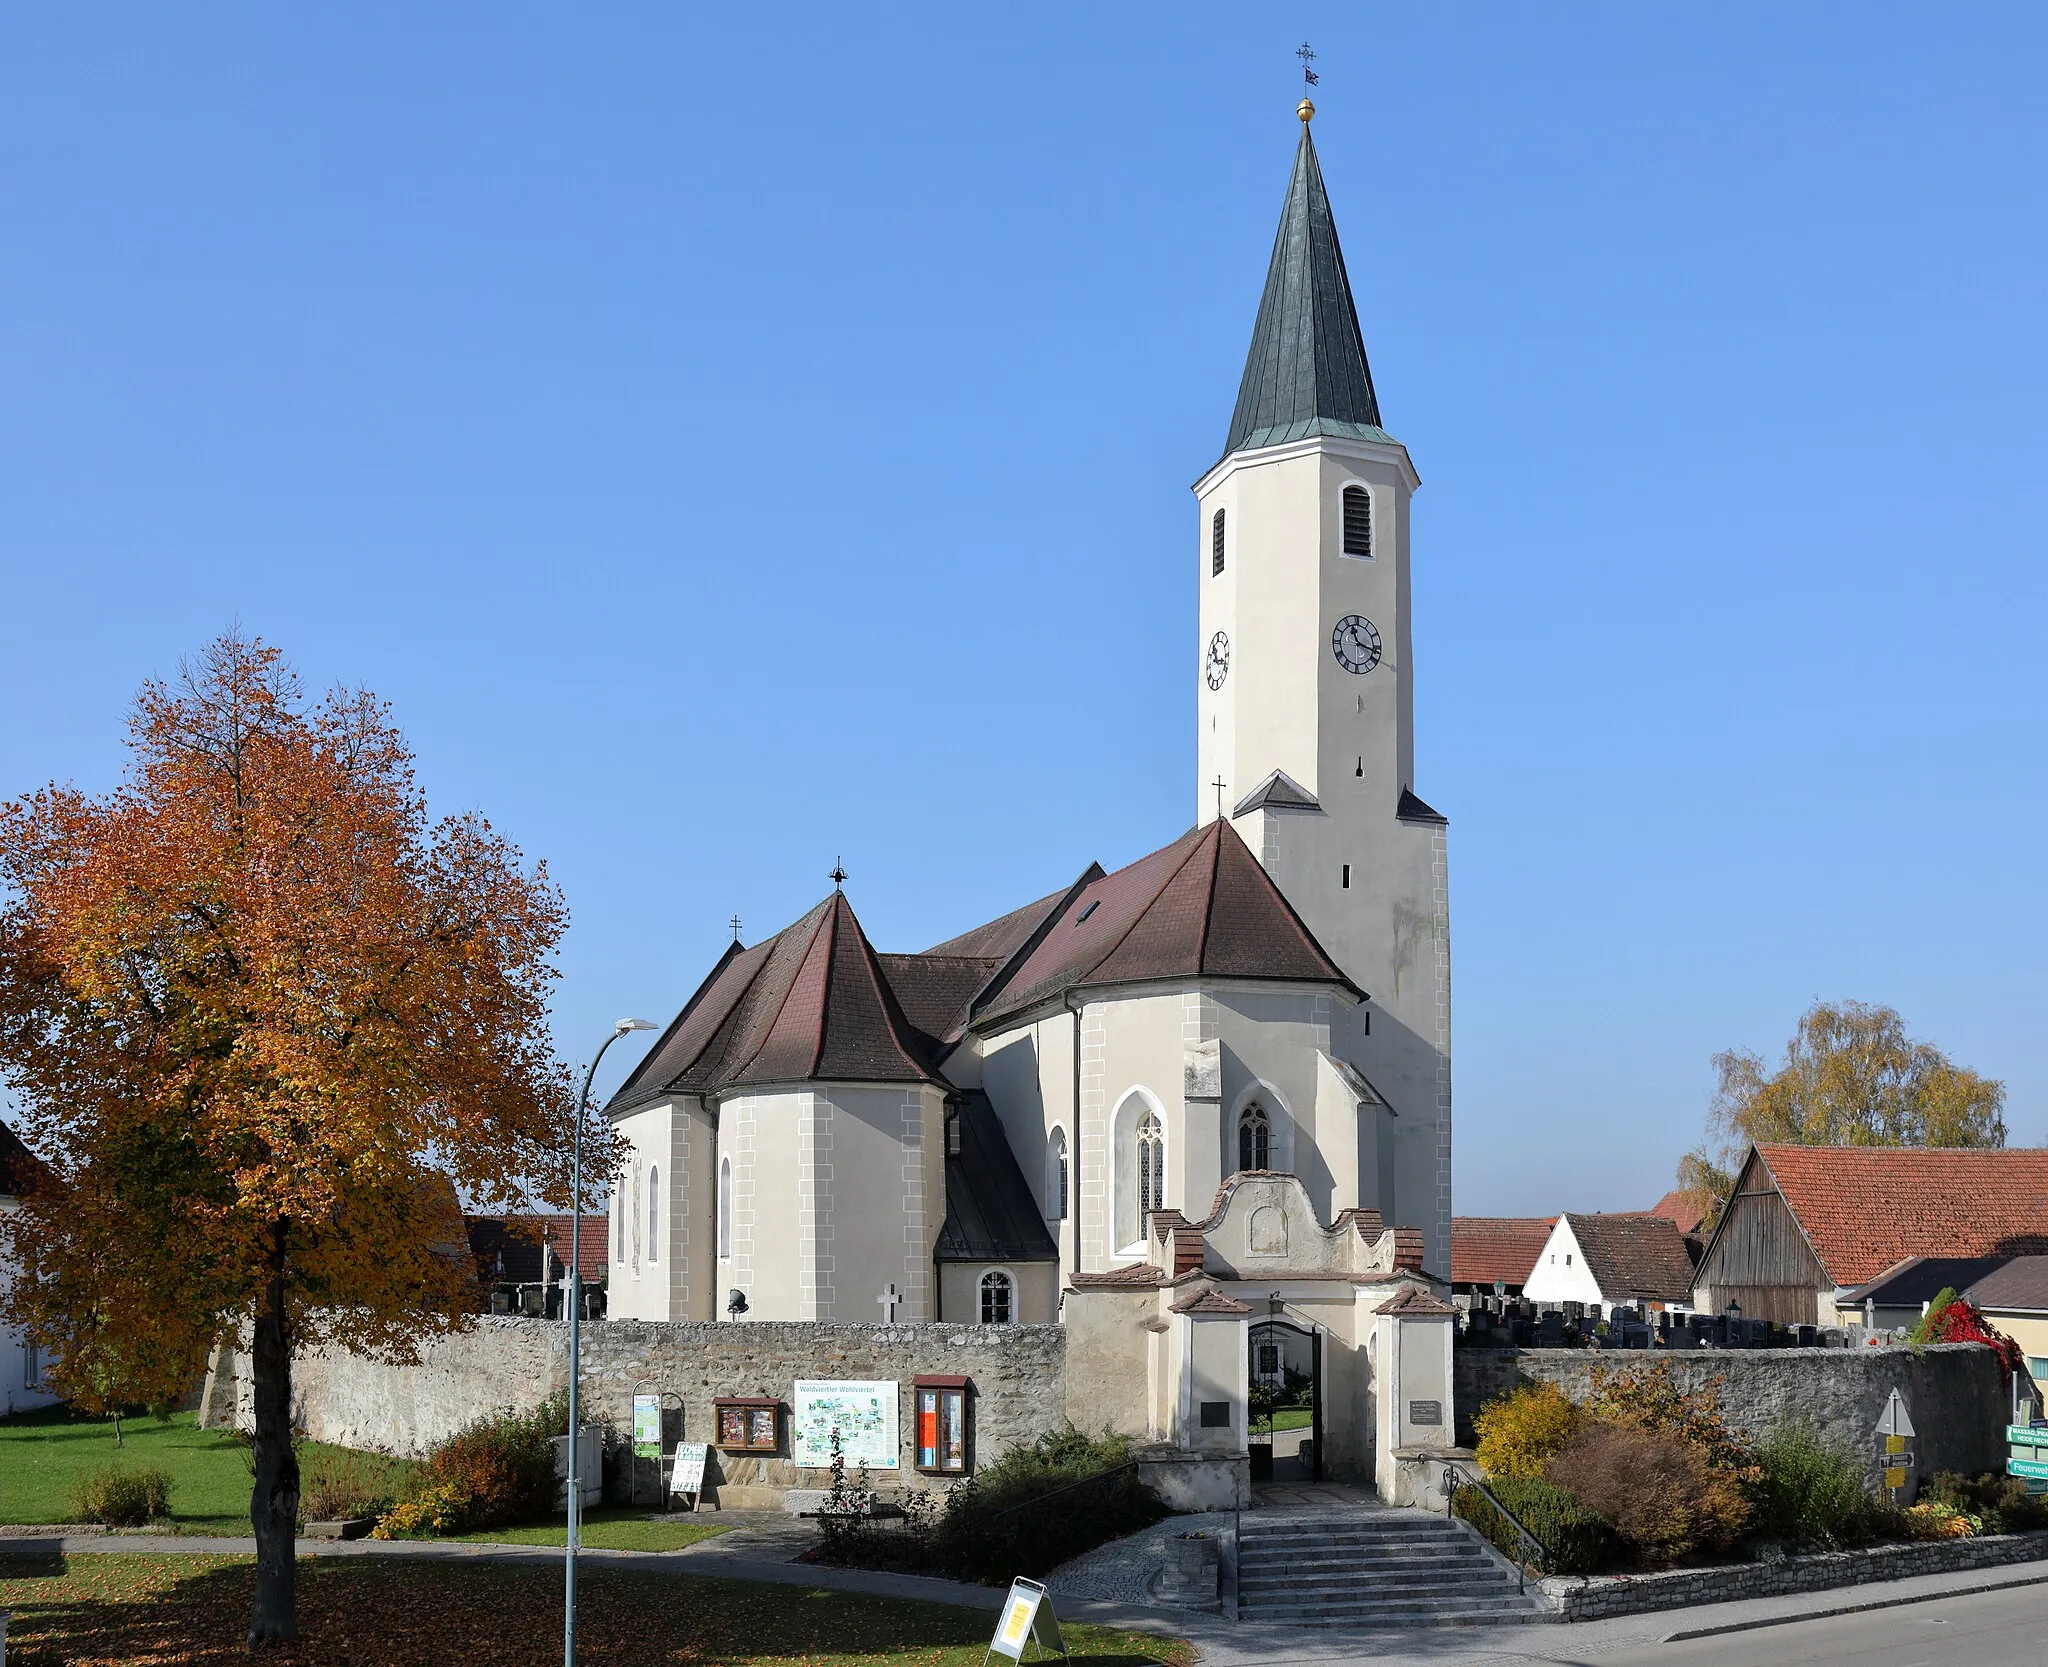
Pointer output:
x,y
141,1611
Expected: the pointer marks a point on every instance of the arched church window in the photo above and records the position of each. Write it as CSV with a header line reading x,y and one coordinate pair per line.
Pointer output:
x,y
724,1208
1357,521
1254,1138
1216,544
654,1214
1151,1166
1056,1176
995,1298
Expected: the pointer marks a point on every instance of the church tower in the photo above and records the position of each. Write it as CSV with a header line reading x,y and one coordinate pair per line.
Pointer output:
x,y
1306,679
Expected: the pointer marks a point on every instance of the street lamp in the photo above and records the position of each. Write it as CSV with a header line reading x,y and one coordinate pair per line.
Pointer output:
x,y
625,1027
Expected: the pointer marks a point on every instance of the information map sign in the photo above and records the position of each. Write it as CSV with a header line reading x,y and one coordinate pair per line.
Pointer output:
x,y
647,1426
864,1414
1027,1617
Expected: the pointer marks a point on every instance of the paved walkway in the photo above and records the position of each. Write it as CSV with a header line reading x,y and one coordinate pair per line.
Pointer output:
x,y
1221,1643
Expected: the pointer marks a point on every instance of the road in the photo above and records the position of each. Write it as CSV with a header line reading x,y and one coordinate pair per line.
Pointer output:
x,y
1991,1629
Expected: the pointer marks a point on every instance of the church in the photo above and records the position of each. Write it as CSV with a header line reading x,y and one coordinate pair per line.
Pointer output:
x,y
1051,1102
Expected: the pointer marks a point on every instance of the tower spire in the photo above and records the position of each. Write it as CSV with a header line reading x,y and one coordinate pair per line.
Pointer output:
x,y
1306,373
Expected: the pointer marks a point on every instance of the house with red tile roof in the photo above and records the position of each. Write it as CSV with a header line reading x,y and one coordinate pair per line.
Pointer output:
x,y
1492,1254
1611,1261
1805,1225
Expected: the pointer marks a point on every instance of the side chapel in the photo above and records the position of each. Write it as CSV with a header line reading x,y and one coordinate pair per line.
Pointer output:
x,y
1223,1064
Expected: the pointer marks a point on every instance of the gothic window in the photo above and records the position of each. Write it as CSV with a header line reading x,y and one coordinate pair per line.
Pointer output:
x,y
654,1214
995,1298
1254,1138
619,1225
1056,1176
1151,1166
1216,544
1357,521
725,1207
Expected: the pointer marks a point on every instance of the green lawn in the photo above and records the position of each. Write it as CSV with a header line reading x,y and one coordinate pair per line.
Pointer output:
x,y
132,1611
43,1456
608,1528
1287,1418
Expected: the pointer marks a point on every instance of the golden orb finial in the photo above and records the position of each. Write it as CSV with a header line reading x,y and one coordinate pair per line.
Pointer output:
x,y
1305,110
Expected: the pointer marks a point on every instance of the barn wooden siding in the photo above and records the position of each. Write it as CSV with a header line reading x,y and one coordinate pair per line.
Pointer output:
x,y
1761,1260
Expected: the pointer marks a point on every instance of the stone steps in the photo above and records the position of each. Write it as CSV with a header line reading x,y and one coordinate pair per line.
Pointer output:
x,y
1386,1569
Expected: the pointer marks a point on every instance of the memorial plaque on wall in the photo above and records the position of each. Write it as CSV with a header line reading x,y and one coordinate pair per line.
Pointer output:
x,y
1426,1412
863,1412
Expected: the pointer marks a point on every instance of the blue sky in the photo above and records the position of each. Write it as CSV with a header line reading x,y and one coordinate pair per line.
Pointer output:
x,y
735,439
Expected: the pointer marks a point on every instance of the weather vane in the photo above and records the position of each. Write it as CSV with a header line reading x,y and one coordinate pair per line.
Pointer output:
x,y
1307,55
838,874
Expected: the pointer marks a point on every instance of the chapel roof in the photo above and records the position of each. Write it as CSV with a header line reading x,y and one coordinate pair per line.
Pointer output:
x,y
811,1004
1634,1256
1202,907
991,1215
1864,1208
1306,373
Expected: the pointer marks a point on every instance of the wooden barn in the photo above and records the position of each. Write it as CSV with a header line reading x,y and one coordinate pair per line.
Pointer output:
x,y
1806,1223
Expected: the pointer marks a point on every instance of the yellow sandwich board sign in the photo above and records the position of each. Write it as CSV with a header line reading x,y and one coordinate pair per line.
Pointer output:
x,y
1027,1618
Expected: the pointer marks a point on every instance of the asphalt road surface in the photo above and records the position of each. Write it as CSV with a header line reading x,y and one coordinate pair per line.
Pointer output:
x,y
1992,1629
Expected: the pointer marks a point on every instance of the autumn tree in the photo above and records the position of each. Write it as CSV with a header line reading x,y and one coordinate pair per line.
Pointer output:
x,y
1851,1077
264,1018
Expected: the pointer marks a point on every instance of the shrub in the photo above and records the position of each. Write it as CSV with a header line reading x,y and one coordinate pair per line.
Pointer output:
x,y
1522,1431
121,1498
1575,1540
1810,1490
1927,1327
1660,1493
995,1527
497,1471
1999,1504
337,1486
1646,1395
1932,1521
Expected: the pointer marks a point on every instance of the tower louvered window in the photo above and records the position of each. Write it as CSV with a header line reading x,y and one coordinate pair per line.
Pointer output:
x,y
1357,521
1151,1166
1216,544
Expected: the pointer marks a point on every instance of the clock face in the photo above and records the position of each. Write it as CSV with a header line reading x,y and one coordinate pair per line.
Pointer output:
x,y
1218,666
1356,643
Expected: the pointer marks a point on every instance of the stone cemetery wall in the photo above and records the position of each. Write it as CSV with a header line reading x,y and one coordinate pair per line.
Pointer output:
x,y
1953,1391
1017,1372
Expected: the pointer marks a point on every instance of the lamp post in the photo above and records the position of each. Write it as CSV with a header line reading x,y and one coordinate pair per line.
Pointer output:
x,y
574,1486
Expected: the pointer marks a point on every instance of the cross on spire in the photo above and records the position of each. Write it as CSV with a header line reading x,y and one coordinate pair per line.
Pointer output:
x,y
1218,785
1307,55
838,879
735,924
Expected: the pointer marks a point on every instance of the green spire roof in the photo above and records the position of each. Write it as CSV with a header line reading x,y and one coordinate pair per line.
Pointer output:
x,y
1307,373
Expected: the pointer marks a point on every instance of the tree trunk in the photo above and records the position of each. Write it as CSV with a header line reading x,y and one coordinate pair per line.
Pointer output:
x,y
274,1505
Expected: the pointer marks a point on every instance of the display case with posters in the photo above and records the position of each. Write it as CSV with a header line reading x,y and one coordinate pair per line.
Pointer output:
x,y
942,1426
748,1423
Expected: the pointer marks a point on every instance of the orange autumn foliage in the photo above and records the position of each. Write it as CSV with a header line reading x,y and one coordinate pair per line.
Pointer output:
x,y
264,1018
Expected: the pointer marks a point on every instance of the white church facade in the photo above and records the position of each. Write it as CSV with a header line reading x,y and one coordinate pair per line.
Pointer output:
x,y
1101,1091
